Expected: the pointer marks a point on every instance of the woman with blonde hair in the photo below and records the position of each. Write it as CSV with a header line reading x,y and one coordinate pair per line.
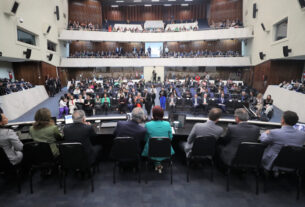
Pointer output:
x,y
45,130
259,104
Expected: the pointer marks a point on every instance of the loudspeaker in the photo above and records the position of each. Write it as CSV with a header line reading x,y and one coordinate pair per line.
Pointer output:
x,y
50,57
263,26
286,51
0,54
15,7
48,30
27,53
254,10
57,13
302,3
262,55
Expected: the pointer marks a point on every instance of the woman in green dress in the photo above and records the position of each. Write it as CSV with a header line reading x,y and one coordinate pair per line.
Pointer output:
x,y
157,128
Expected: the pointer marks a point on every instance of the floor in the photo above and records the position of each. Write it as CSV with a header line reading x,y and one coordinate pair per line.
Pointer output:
x,y
200,191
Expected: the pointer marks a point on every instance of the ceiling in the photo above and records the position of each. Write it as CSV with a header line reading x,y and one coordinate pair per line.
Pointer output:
x,y
151,2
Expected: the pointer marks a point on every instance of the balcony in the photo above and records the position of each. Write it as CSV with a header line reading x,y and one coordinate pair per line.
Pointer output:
x,y
217,34
164,62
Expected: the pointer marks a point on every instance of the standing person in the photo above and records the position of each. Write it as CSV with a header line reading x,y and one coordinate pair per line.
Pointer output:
x,y
154,74
277,138
153,94
105,103
147,101
45,130
9,142
122,104
172,103
157,128
162,97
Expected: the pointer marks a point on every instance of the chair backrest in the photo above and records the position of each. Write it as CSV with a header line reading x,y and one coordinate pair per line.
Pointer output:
x,y
159,147
290,157
204,146
249,154
4,161
73,156
36,153
124,149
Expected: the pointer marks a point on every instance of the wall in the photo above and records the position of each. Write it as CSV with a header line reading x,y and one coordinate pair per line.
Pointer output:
x,y
36,15
157,12
85,11
34,72
5,68
271,12
221,10
210,35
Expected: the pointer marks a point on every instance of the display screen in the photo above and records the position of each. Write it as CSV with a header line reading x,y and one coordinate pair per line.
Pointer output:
x,y
156,48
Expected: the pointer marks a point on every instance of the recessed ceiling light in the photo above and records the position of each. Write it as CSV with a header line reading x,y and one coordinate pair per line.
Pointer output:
x,y
119,1
184,4
114,6
147,5
188,0
167,4
171,0
137,0
155,0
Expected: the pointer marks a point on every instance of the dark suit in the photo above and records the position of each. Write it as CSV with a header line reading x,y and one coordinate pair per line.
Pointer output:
x,y
79,132
222,103
242,132
131,129
196,107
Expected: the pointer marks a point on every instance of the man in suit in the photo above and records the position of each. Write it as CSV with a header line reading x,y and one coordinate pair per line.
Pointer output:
x,y
236,134
196,103
208,128
277,138
205,103
172,103
132,128
222,102
81,131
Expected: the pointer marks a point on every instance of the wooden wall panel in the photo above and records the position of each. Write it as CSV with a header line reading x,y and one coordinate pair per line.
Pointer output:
x,y
157,12
85,11
225,9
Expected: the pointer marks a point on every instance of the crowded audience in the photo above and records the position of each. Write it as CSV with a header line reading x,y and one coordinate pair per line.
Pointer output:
x,y
7,86
297,86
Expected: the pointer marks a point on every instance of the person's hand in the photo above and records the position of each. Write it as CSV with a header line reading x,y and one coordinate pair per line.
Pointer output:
x,y
267,132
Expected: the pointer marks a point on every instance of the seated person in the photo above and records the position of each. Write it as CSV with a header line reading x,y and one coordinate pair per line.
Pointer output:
x,y
10,143
268,106
196,103
105,103
222,102
132,128
236,134
244,96
45,130
63,108
72,105
157,128
208,128
81,131
97,104
130,102
277,138
172,103
205,103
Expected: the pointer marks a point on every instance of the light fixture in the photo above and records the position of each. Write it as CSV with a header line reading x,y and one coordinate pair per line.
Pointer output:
x,y
167,4
184,4
171,0
188,0
119,1
137,0
155,0
147,5
114,6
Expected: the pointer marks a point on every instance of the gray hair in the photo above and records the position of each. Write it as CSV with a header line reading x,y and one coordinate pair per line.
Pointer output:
x,y
242,114
138,114
78,116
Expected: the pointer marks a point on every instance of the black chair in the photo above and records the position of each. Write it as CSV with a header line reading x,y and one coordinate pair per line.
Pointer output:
x,y
203,149
248,157
80,106
6,166
74,157
125,150
291,159
38,155
160,147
